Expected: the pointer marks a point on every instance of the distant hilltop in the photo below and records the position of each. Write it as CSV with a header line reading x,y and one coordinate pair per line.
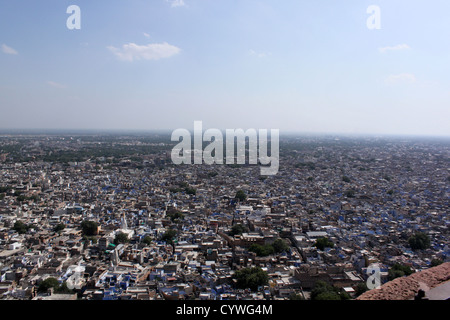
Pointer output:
x,y
434,283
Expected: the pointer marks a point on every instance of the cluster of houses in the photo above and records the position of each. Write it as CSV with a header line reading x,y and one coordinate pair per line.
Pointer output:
x,y
366,199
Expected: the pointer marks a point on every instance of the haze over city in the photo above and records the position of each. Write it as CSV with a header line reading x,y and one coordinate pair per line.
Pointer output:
x,y
302,66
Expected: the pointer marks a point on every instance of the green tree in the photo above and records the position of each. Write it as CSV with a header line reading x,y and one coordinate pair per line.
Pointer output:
x,y
169,236
175,215
238,229
175,190
47,284
361,288
59,227
121,238
399,270
350,193
20,227
212,174
277,246
147,240
89,228
251,278
346,179
322,243
240,195
63,289
280,245
90,238
53,283
308,165
436,262
261,250
4,189
419,241
344,295
324,291
296,296
328,295
190,190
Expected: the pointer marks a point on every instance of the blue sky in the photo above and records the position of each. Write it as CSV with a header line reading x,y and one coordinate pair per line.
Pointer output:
x,y
306,66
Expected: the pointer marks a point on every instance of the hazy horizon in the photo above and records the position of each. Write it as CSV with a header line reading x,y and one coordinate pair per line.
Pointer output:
x,y
298,66
168,132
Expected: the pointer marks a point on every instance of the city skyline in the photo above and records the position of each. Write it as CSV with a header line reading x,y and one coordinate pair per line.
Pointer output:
x,y
294,66
104,217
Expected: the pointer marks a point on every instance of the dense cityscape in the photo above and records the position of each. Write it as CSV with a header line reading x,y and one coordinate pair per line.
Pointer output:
x,y
99,216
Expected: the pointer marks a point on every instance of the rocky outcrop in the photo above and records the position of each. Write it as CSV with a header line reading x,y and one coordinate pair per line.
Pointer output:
x,y
406,288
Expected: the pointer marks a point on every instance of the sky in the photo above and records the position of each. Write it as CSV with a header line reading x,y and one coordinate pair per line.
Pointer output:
x,y
328,66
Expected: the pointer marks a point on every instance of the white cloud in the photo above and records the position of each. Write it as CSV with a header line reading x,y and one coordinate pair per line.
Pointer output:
x,y
176,3
153,51
8,50
400,78
56,84
394,48
146,35
253,53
